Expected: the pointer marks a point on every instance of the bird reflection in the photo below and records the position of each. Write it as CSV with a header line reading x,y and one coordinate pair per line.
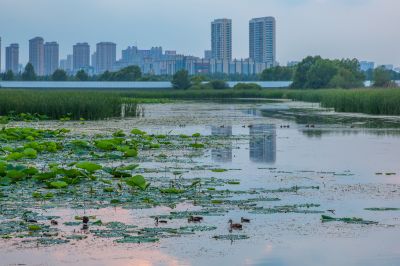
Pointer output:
x,y
263,143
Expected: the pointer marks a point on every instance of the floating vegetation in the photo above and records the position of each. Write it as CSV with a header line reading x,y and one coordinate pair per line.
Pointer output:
x,y
382,209
230,237
354,220
136,240
57,169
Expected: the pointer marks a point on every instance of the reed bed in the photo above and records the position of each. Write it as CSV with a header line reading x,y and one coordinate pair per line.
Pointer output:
x,y
57,104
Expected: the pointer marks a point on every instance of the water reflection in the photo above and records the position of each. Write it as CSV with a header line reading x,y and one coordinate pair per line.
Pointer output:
x,y
223,154
263,143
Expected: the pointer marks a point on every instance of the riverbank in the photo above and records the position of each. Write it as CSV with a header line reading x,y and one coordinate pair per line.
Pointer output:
x,y
87,103
368,101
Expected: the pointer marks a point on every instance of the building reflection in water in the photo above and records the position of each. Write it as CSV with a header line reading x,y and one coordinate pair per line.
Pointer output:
x,y
223,154
263,143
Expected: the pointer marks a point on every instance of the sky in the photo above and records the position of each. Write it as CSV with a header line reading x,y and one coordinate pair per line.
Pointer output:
x,y
364,29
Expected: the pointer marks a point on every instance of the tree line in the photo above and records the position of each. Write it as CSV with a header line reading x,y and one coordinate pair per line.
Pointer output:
x,y
130,73
313,72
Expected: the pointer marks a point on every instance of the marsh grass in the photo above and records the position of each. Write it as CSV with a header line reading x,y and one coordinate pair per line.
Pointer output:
x,y
100,104
57,104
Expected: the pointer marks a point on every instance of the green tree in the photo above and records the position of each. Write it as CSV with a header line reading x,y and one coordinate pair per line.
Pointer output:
x,y
320,74
106,76
59,75
181,80
29,73
218,84
382,77
247,86
277,73
8,76
316,73
81,75
197,80
130,73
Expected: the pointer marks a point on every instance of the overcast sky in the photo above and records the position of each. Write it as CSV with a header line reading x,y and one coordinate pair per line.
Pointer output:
x,y
365,29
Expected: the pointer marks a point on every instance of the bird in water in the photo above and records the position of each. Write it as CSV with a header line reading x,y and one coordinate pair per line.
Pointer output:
x,y
158,221
195,219
85,220
234,226
331,211
244,220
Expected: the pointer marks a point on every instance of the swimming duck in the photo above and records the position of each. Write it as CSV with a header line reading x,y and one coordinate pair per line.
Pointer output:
x,y
195,219
160,221
235,226
244,220
85,219
331,211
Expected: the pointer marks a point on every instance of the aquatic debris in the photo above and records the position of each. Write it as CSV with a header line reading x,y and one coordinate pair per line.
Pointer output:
x,y
172,190
354,220
382,209
136,240
230,237
76,237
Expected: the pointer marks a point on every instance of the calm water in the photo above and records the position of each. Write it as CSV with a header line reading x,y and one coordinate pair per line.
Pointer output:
x,y
341,156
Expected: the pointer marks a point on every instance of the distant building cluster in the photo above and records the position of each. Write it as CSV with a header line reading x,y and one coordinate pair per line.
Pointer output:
x,y
44,56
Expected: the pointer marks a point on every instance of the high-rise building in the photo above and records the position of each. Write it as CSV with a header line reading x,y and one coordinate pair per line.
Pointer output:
x,y
0,54
81,56
262,36
36,55
366,65
51,57
106,53
221,39
12,58
66,64
94,57
207,54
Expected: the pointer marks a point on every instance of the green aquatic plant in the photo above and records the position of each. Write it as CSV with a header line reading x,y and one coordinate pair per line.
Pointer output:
x,y
138,132
218,170
137,181
88,166
354,220
58,184
382,209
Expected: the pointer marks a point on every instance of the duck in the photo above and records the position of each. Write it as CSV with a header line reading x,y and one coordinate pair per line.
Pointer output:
x,y
234,226
331,211
244,220
195,219
160,221
54,222
85,219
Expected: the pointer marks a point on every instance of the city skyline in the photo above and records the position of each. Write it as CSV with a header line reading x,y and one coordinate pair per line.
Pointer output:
x,y
297,24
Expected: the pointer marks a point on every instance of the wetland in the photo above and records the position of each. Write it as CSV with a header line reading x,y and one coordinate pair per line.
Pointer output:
x,y
308,186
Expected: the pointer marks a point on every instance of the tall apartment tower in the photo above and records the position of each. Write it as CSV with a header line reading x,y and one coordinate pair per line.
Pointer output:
x,y
262,36
221,39
81,56
51,57
12,58
0,54
106,53
36,55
